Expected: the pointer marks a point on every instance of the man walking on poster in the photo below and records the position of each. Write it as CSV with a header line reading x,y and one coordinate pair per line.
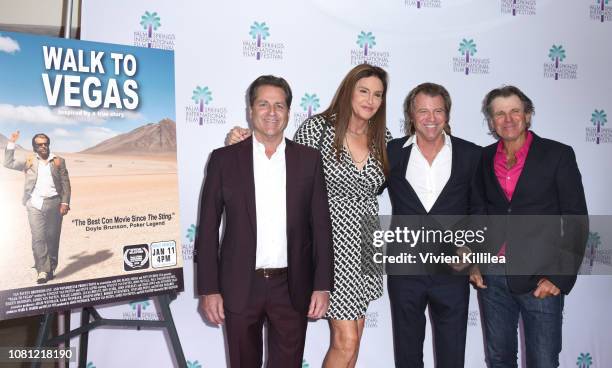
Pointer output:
x,y
46,197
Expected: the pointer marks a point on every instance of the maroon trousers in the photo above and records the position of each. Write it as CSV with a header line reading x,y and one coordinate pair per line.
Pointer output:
x,y
268,301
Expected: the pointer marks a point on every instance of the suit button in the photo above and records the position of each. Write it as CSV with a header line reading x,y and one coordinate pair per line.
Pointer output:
x,y
509,210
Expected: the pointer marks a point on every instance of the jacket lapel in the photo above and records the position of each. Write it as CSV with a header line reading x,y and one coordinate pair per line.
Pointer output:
x,y
490,157
404,167
531,160
291,173
451,177
245,164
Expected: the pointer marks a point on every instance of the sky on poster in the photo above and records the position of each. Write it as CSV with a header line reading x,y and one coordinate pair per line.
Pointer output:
x,y
24,105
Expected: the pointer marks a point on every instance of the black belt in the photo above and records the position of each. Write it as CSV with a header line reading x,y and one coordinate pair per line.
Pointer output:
x,y
271,272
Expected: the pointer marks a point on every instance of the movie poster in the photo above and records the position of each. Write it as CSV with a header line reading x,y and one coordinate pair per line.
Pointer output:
x,y
88,182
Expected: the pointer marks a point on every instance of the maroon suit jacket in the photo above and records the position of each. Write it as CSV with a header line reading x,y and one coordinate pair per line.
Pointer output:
x,y
230,186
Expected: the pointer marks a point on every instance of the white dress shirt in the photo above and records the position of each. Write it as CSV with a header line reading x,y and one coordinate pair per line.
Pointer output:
x,y
428,181
270,206
44,187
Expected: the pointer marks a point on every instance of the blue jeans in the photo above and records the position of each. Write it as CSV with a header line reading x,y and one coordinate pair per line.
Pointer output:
x,y
542,319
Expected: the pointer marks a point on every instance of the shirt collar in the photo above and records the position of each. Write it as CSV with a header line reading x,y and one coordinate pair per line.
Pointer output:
x,y
51,157
259,147
413,139
522,152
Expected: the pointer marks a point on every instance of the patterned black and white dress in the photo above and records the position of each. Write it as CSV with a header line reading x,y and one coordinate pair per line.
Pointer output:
x,y
352,200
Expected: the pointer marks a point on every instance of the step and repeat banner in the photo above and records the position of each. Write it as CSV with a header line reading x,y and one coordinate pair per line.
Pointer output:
x,y
559,53
102,225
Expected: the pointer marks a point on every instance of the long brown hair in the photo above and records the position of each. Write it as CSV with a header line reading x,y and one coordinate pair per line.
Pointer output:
x,y
340,110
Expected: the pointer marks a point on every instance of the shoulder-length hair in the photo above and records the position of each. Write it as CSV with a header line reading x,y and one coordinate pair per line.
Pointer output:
x,y
431,90
340,110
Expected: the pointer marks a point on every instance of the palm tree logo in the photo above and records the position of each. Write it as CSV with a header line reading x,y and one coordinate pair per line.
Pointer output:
x,y
593,242
599,118
258,32
305,364
556,54
194,364
201,96
584,360
150,22
310,103
191,232
365,41
602,3
139,306
90,365
467,48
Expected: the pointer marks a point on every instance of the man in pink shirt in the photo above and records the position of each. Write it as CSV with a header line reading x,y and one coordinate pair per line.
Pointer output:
x,y
530,184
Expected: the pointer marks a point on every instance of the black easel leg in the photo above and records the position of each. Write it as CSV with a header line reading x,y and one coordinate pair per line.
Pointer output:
x,y
43,333
164,304
83,339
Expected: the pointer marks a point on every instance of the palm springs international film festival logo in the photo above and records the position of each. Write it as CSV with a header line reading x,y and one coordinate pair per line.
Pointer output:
x,y
371,319
584,360
364,54
309,104
556,68
595,131
256,47
424,3
600,11
200,110
594,254
194,364
467,63
188,248
518,7
138,311
150,38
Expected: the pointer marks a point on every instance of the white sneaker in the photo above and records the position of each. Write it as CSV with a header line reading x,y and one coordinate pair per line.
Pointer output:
x,y
42,277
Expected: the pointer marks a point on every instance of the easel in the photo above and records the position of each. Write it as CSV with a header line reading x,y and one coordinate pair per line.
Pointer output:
x,y
91,319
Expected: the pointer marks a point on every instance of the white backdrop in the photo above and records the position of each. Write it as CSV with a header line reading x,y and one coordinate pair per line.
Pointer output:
x,y
313,44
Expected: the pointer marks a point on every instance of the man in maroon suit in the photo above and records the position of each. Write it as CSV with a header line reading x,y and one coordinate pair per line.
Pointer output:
x,y
276,260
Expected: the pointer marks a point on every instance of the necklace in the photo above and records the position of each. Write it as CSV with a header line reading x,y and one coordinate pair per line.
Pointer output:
x,y
351,153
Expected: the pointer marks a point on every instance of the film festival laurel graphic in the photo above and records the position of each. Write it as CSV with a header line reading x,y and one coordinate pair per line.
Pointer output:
x,y
469,64
518,7
256,47
556,69
309,103
201,112
150,22
365,53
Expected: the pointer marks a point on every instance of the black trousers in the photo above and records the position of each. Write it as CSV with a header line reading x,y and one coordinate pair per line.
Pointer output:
x,y
448,300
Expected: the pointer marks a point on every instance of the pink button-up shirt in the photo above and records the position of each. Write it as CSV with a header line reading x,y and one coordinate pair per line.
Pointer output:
x,y
508,178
